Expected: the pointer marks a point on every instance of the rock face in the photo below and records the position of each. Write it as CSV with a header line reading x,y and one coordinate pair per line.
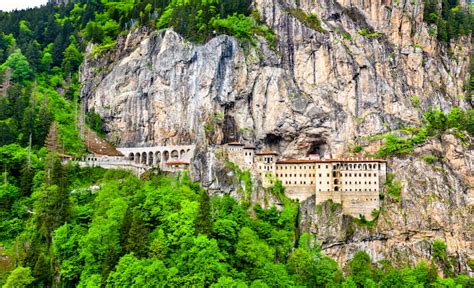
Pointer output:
x,y
314,92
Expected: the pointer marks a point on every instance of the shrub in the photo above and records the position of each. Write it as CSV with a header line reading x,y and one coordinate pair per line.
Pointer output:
x,y
368,34
310,20
430,159
393,188
357,149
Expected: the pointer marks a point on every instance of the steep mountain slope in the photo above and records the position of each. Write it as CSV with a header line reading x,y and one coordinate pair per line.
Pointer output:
x,y
358,69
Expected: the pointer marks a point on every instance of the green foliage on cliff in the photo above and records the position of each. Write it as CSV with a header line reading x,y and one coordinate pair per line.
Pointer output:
x,y
310,20
450,19
392,187
436,123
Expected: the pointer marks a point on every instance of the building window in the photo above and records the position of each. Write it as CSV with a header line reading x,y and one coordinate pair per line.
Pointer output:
x,y
327,166
319,174
319,166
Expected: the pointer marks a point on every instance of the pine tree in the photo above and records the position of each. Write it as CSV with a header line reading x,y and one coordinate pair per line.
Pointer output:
x,y
203,219
137,237
26,179
52,141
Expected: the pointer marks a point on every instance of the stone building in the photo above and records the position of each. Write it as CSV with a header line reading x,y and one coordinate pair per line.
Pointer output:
x,y
353,182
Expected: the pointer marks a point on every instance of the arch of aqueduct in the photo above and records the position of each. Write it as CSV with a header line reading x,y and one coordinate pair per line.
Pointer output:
x,y
156,155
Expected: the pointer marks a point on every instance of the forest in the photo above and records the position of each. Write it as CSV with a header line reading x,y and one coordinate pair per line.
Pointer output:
x,y
63,226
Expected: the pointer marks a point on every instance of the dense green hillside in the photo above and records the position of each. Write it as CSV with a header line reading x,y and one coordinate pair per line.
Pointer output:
x,y
64,226
95,228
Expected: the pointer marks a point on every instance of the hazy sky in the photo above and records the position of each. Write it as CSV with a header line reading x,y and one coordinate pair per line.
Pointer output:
x,y
8,5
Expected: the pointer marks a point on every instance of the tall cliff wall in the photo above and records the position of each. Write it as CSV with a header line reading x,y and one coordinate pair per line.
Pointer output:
x,y
315,91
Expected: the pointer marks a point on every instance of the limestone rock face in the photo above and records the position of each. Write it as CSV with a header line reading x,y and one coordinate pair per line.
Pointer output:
x,y
313,92
435,203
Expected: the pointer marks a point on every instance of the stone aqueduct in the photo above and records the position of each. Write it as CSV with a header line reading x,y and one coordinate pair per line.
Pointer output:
x,y
157,155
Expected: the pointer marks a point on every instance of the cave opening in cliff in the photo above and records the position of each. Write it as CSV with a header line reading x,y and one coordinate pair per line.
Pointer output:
x,y
318,148
273,141
229,129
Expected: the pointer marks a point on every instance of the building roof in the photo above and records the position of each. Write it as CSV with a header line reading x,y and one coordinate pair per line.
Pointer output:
x,y
176,163
355,159
266,152
235,144
61,155
297,161
250,147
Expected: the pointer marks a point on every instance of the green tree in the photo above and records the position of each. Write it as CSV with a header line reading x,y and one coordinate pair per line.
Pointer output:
x,y
72,59
251,251
203,219
133,272
19,278
360,268
137,237
201,263
20,66
309,267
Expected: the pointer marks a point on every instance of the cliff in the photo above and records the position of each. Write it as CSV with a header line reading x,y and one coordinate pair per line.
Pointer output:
x,y
320,89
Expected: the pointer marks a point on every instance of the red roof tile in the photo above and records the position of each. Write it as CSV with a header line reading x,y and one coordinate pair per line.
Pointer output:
x,y
296,161
176,163
266,152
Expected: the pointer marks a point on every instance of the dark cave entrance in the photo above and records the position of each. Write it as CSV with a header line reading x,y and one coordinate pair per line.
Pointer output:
x,y
318,148
273,142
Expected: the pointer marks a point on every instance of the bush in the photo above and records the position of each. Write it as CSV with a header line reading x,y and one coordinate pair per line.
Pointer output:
x,y
368,34
310,20
357,149
393,188
430,159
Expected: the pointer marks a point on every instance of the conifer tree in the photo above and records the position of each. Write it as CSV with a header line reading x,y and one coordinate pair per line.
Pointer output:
x,y
52,141
203,219
137,237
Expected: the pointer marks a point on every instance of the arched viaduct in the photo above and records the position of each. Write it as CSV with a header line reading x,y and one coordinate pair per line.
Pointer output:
x,y
156,155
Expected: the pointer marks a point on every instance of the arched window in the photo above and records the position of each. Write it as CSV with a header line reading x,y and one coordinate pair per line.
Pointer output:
x,y
158,157
175,154
143,158
150,158
131,157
